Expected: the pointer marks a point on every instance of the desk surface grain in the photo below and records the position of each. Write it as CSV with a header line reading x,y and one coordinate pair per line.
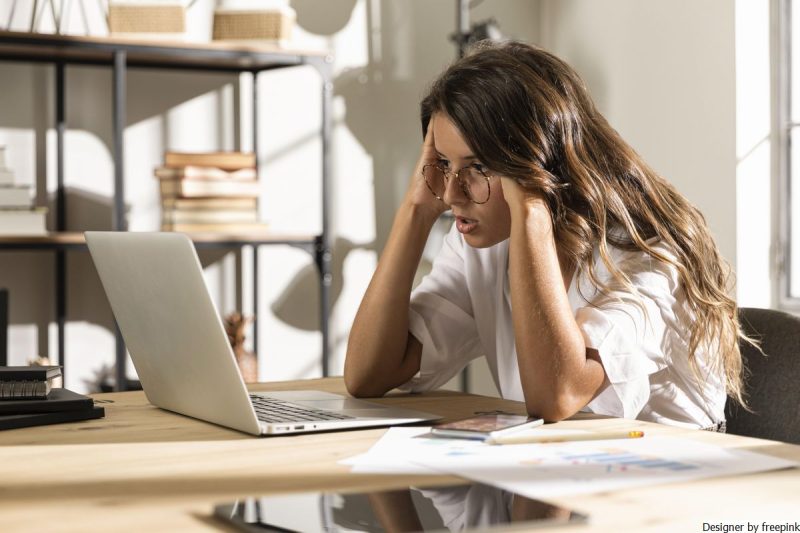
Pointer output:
x,y
143,468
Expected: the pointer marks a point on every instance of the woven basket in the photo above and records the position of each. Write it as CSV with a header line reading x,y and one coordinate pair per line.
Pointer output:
x,y
267,24
146,18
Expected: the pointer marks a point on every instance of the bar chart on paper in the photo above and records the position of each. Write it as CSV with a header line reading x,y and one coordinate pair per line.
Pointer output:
x,y
565,468
616,459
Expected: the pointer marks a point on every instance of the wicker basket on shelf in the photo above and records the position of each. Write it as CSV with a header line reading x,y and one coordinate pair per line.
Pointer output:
x,y
261,25
139,18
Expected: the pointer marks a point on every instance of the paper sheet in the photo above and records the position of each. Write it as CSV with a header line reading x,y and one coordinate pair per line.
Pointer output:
x,y
558,469
548,470
392,454
399,447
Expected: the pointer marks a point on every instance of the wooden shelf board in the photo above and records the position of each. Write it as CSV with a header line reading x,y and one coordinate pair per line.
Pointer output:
x,y
76,238
65,237
149,52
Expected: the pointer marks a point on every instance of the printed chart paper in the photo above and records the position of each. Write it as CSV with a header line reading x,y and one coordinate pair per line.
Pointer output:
x,y
558,469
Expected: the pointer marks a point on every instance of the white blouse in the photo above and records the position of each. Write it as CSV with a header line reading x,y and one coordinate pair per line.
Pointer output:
x,y
462,310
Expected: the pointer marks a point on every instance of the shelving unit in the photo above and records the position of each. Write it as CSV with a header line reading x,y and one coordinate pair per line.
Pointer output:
x,y
120,55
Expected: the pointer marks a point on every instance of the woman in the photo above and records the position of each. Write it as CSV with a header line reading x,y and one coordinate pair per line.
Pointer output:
x,y
584,277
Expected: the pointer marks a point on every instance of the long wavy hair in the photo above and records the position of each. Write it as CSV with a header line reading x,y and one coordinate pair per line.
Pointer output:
x,y
527,115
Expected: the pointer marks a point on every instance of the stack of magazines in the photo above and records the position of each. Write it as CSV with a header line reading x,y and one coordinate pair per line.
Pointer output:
x,y
27,398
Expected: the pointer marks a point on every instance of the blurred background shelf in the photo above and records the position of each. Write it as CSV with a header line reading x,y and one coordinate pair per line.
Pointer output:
x,y
121,54
75,240
147,53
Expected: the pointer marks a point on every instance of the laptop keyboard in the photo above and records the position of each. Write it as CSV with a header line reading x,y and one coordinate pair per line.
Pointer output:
x,y
271,410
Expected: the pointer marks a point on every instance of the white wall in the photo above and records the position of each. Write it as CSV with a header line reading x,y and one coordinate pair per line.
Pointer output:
x,y
755,183
662,72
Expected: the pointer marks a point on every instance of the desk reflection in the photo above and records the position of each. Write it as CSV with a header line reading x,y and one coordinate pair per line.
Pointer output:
x,y
456,508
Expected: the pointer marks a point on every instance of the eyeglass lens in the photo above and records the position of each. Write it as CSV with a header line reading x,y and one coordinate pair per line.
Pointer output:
x,y
473,182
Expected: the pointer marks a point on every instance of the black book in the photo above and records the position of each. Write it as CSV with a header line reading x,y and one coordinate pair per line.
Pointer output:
x,y
42,419
3,326
23,373
57,400
21,382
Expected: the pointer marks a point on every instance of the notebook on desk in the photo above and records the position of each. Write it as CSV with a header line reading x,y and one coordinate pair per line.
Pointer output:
x,y
154,282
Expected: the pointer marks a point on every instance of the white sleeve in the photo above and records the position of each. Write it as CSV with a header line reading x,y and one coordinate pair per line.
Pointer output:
x,y
441,318
631,334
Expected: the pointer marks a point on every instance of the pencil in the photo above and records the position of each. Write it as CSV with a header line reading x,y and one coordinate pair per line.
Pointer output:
x,y
531,438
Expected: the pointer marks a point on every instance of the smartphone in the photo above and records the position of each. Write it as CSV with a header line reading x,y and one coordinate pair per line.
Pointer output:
x,y
482,427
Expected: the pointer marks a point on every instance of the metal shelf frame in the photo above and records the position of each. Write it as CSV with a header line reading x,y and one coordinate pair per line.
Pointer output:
x,y
123,55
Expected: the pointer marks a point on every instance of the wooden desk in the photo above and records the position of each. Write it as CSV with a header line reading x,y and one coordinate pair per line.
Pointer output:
x,y
143,469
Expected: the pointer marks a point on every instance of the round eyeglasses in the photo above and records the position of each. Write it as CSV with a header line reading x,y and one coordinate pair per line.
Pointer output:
x,y
473,181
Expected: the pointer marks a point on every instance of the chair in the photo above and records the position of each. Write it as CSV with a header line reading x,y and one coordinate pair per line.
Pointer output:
x,y
773,382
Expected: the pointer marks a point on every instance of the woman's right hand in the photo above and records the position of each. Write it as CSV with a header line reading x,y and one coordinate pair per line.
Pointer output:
x,y
381,352
419,196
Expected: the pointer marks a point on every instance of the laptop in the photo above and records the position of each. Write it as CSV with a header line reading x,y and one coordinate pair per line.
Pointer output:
x,y
155,284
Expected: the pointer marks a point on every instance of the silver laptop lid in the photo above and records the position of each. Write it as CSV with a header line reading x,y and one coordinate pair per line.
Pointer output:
x,y
154,282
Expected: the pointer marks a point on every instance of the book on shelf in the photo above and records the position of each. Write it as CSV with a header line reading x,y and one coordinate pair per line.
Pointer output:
x,y
56,417
206,173
221,160
58,399
230,229
208,188
23,221
21,382
15,196
208,216
209,192
6,174
3,326
209,204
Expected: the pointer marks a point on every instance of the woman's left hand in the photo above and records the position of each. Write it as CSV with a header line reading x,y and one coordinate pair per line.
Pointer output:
x,y
523,202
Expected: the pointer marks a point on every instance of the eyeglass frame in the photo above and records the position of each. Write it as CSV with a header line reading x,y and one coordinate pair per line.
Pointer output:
x,y
448,174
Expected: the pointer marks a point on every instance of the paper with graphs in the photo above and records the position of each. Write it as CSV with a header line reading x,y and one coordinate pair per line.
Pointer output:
x,y
558,469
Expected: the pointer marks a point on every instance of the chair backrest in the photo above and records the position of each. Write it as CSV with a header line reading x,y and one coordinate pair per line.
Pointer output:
x,y
773,381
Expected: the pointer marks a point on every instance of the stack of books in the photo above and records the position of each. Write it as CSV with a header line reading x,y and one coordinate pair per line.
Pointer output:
x,y
18,216
209,192
27,398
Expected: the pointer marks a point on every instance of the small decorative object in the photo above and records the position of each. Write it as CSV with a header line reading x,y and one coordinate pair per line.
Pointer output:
x,y
273,25
153,20
235,324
